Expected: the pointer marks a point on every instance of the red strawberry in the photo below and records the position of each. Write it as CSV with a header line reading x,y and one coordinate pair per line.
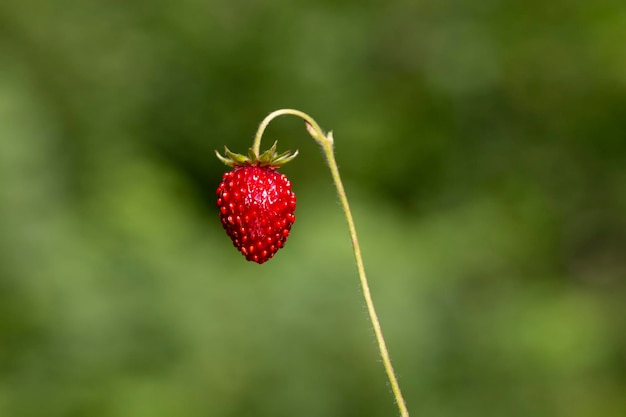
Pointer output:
x,y
256,203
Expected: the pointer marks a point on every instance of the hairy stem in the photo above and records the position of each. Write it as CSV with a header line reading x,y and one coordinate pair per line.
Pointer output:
x,y
326,142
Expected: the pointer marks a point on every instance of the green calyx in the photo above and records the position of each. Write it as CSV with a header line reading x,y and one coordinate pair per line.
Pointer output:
x,y
268,158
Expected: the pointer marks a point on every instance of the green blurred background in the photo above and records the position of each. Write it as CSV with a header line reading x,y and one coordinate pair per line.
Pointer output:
x,y
483,147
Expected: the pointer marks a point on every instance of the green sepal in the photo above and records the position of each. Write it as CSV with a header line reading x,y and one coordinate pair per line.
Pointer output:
x,y
285,157
268,158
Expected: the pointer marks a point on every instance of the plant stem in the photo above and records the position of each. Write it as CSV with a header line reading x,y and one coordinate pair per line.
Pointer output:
x,y
326,142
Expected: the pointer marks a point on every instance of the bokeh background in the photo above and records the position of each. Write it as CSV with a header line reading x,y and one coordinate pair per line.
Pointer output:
x,y
483,147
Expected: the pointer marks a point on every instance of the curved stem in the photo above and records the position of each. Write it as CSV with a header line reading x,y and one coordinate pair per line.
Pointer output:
x,y
326,142
318,136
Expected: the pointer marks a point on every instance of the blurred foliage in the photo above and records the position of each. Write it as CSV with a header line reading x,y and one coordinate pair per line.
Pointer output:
x,y
483,147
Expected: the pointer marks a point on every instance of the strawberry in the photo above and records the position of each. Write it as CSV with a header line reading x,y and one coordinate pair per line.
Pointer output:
x,y
256,202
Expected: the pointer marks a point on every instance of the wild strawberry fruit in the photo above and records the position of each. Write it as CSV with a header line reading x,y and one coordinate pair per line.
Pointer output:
x,y
256,202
